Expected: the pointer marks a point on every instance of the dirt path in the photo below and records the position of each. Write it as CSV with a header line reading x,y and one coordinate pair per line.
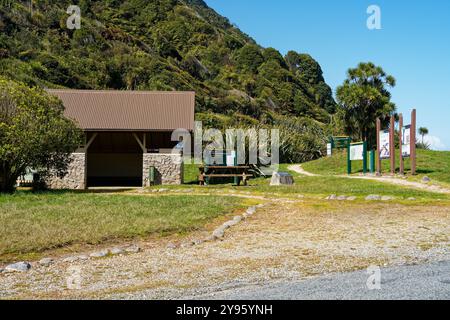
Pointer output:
x,y
391,180
298,168
402,182
282,241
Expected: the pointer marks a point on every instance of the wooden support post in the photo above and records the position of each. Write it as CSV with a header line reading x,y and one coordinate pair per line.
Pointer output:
x,y
400,136
140,143
392,144
378,148
413,141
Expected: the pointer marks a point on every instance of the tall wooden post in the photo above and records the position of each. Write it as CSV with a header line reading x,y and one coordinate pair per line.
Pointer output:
x,y
392,144
413,141
400,136
378,148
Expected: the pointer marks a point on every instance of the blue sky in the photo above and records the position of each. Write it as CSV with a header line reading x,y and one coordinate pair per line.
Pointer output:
x,y
413,45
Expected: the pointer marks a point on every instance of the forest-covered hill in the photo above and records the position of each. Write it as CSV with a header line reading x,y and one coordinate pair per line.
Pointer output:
x,y
158,45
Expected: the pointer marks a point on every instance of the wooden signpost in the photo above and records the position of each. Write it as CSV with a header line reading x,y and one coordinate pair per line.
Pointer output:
x,y
407,144
378,148
400,138
413,141
392,144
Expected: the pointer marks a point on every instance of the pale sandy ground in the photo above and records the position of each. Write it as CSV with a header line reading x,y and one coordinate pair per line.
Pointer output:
x,y
283,241
385,179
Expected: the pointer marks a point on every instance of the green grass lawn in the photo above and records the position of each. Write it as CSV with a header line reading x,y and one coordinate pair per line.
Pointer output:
x,y
320,186
191,173
324,186
434,164
31,223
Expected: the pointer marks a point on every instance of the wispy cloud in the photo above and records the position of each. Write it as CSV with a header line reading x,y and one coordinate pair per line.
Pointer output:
x,y
434,142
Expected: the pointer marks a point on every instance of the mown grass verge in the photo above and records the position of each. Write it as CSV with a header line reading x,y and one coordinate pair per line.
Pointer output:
x,y
319,186
31,223
434,164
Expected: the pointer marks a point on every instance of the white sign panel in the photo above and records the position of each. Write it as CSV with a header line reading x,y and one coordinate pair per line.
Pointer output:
x,y
384,145
329,149
406,141
356,152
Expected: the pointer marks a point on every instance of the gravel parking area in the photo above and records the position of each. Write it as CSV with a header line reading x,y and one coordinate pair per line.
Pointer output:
x,y
290,240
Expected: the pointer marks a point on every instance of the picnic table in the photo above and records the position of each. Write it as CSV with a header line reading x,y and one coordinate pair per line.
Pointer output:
x,y
238,172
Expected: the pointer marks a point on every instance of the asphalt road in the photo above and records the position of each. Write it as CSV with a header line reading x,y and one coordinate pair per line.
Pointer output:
x,y
427,281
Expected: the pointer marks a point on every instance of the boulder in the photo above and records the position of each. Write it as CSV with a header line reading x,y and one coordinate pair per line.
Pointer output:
x,y
219,232
45,262
426,179
210,238
387,198
18,267
99,254
373,197
198,242
251,210
230,224
237,219
187,244
282,178
116,251
171,246
133,249
70,259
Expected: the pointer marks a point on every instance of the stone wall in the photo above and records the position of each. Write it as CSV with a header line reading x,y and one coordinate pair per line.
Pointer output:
x,y
169,168
76,175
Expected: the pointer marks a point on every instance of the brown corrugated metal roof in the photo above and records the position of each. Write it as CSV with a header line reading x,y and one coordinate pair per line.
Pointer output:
x,y
128,110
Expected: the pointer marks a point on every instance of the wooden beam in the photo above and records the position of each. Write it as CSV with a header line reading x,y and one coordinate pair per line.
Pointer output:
x,y
140,143
145,143
88,144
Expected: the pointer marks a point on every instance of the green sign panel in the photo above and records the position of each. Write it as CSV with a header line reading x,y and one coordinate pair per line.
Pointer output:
x,y
340,142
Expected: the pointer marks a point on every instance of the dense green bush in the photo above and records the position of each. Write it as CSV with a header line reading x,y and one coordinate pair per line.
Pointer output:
x,y
169,45
158,44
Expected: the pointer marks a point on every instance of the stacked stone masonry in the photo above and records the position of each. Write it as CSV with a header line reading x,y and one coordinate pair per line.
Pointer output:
x,y
76,175
168,168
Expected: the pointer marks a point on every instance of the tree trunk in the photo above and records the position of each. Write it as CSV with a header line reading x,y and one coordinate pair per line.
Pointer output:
x,y
7,180
6,185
